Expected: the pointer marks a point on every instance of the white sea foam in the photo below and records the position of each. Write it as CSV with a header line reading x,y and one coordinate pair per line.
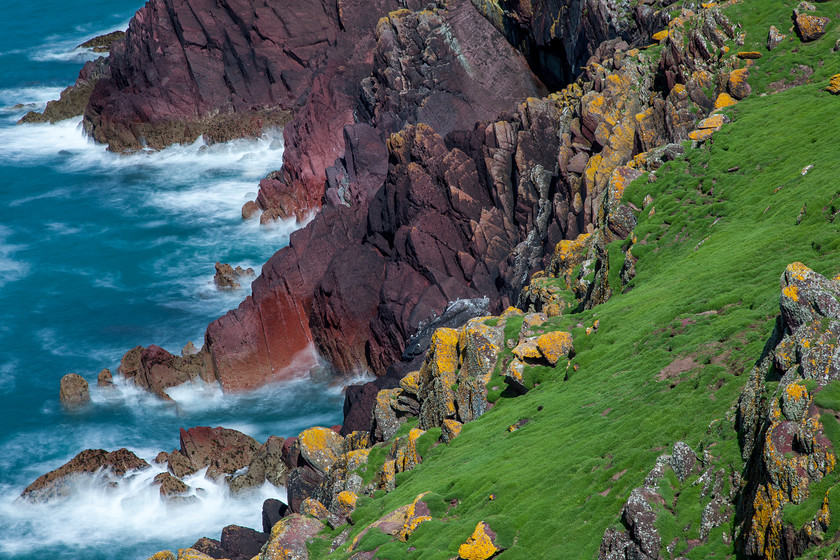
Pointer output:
x,y
7,377
30,98
65,47
12,268
132,512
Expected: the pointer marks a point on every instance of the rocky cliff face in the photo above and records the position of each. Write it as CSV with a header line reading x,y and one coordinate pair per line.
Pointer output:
x,y
416,217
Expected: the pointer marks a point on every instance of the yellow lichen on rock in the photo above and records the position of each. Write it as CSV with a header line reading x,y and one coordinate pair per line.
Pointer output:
x,y
414,516
555,345
748,55
411,383
163,555
701,135
450,429
479,546
660,36
715,122
798,271
320,446
314,508
192,554
834,85
724,100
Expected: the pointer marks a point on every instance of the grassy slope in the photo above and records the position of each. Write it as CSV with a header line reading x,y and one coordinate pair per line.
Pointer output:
x,y
715,303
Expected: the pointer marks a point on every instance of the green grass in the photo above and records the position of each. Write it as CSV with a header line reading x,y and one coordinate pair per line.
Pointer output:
x,y
557,481
707,288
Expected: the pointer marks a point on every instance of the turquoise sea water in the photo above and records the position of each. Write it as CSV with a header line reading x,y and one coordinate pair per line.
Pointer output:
x,y
99,253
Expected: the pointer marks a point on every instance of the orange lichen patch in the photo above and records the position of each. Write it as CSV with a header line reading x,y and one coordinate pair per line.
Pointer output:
x,y
633,53
347,500
511,312
708,5
443,352
555,345
619,179
834,85
811,28
411,383
748,55
162,555
798,271
526,349
480,544
320,446
192,554
724,100
678,89
450,429
796,391
386,477
715,122
660,36
701,135
314,508
416,514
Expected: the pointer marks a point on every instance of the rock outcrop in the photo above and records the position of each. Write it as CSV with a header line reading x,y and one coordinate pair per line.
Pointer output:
x,y
74,391
75,98
59,482
787,437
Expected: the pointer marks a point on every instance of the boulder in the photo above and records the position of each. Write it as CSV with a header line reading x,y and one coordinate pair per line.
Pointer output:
x,y
834,85
811,28
738,86
155,369
288,537
74,391
59,482
320,447
210,547
273,510
774,38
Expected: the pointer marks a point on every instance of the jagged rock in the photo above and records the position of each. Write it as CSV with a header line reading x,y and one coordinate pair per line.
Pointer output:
x,y
163,555
74,391
266,465
224,450
228,278
450,429
683,460
210,547
155,370
301,484
189,349
169,485
738,86
555,345
774,38
320,447
102,43
59,483
192,554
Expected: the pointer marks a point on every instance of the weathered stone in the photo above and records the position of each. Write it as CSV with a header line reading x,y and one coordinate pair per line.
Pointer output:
x,y
683,460
74,391
221,449
834,85
811,28
738,86
450,429
774,38
288,538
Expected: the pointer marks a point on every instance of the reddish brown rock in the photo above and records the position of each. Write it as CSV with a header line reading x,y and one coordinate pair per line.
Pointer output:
x,y
74,391
58,483
222,449
155,370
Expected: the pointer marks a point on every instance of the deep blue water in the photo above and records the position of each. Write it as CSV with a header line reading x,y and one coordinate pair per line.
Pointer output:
x,y
99,253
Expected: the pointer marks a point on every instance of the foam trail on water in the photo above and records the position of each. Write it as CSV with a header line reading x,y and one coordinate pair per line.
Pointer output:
x,y
98,515
65,47
11,268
